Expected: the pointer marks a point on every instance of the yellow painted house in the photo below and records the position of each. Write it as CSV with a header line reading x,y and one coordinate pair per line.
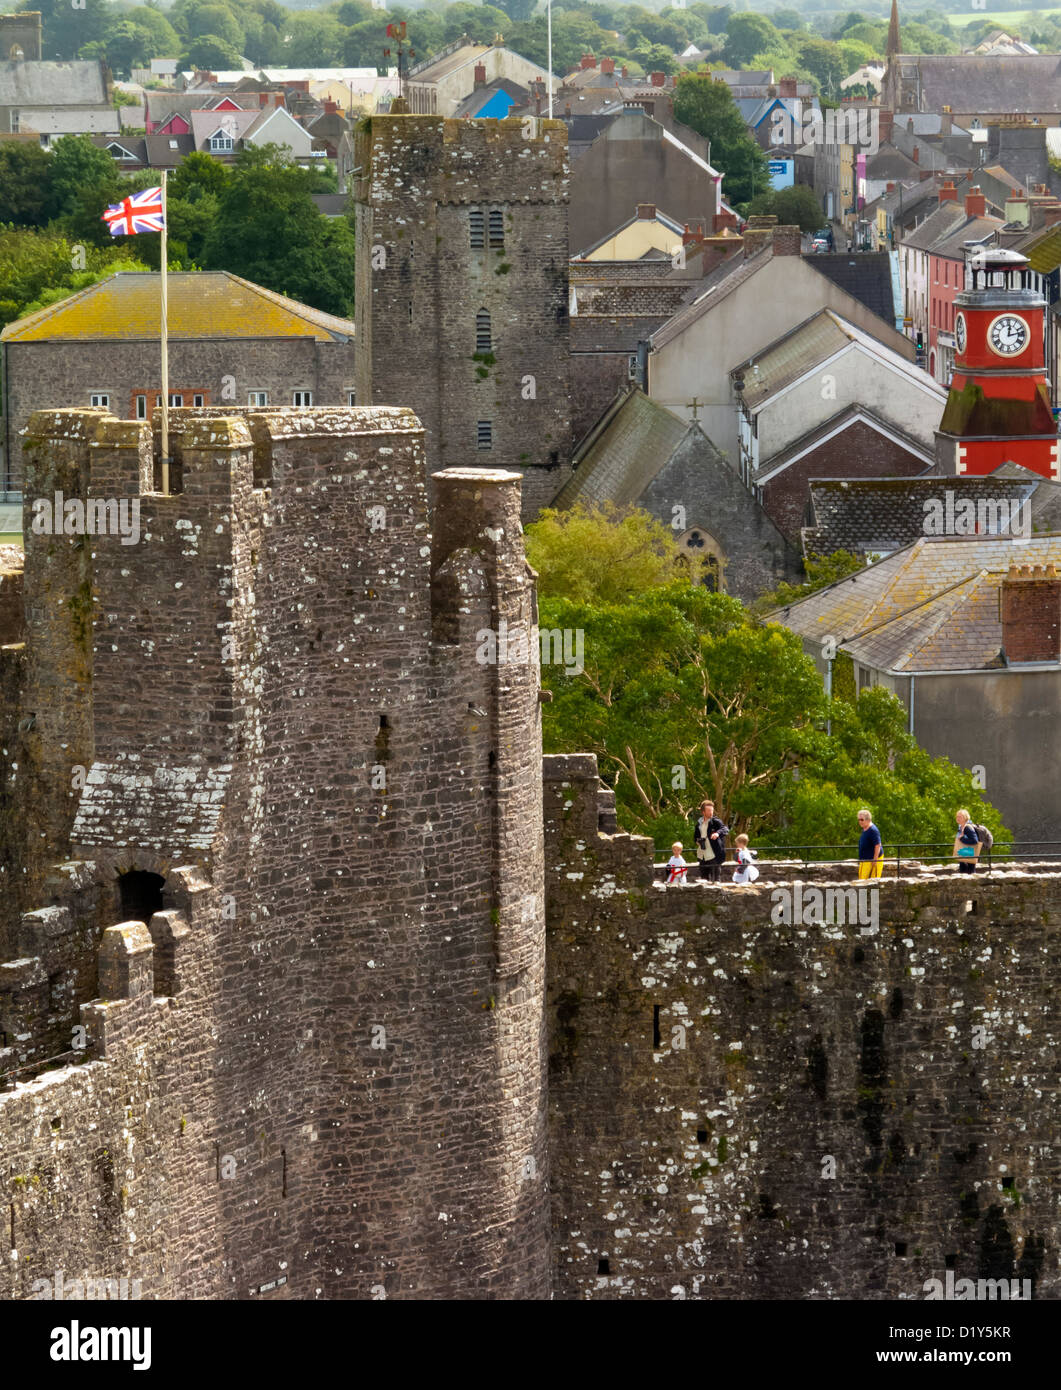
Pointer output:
x,y
648,234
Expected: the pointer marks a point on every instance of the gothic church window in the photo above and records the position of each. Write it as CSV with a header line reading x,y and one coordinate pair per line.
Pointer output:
x,y
704,557
483,335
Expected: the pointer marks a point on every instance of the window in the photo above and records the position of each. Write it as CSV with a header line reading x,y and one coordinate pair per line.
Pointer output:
x,y
475,224
483,340
220,143
197,398
351,398
140,408
174,145
100,398
175,399
497,227
257,397
302,398
486,434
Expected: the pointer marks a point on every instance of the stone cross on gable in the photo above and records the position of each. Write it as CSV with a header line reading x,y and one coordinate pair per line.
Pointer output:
x,y
695,405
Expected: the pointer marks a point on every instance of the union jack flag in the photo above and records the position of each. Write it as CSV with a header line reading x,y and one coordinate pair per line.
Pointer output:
x,y
140,213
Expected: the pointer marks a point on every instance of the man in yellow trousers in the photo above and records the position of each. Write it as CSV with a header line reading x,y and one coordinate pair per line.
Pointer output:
x,y
870,849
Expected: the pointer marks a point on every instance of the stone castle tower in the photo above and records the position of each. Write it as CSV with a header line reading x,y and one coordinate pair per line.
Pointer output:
x,y
293,962
20,37
461,301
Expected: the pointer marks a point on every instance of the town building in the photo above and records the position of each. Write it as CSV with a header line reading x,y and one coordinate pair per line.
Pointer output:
x,y
229,341
437,85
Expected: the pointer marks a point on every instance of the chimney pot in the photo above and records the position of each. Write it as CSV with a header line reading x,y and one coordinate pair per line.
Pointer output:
x,y
657,78
646,211
975,202
588,61
607,66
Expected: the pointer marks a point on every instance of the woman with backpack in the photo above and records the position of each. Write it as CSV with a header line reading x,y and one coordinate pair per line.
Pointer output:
x,y
966,843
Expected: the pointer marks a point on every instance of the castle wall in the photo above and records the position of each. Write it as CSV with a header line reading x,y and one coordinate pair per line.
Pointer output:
x,y
812,1112
421,285
348,1100
46,375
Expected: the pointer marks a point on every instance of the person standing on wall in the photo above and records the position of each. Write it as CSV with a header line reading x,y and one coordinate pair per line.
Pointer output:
x,y
710,839
870,849
966,843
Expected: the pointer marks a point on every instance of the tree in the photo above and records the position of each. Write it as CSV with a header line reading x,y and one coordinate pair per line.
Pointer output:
x,y
313,39
708,108
787,19
39,268
210,53
798,205
268,229
66,29
23,183
518,10
82,181
823,60
746,35
600,555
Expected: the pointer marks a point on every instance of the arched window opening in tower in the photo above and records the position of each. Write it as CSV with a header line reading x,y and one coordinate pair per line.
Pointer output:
x,y
139,895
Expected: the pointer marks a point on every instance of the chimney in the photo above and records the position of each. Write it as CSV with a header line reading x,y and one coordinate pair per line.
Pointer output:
x,y
1017,210
909,125
331,108
886,125
588,61
915,155
722,220
975,202
657,78
890,188
787,87
1031,614
607,66
624,74
788,241
567,108
646,211
480,75
948,193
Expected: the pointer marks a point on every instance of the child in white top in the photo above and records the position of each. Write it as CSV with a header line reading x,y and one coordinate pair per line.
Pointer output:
x,y
745,872
676,864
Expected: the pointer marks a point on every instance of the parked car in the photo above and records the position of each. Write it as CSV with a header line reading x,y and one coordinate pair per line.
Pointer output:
x,y
823,240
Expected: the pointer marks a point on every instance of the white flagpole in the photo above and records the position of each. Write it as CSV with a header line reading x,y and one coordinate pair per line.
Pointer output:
x,y
165,347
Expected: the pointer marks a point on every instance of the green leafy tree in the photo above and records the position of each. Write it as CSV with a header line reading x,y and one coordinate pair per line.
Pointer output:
x,y
82,181
197,18
518,10
313,39
210,54
821,571
824,61
787,19
600,554
798,205
708,108
23,182
65,29
39,267
746,35
268,230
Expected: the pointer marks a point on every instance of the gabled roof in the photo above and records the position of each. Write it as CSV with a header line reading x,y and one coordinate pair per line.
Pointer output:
x,y
975,229
1020,83
936,225
620,457
722,281
873,514
501,87
40,84
202,304
843,419
235,124
932,606
678,228
865,275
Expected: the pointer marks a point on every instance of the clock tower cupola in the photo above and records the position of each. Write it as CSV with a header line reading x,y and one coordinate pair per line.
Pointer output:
x,y
998,410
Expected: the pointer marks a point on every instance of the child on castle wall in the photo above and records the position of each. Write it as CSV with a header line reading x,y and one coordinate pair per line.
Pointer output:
x,y
676,865
745,872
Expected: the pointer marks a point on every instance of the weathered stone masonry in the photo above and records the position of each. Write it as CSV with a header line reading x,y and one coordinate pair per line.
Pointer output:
x,y
315,1057
689,1147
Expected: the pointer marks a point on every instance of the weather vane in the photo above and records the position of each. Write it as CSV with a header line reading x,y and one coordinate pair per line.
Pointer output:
x,y
397,32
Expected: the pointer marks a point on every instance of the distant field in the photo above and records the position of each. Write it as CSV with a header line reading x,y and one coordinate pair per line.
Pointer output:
x,y
1004,19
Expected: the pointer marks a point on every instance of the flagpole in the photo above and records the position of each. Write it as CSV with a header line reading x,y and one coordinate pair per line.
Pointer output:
x,y
549,12
165,347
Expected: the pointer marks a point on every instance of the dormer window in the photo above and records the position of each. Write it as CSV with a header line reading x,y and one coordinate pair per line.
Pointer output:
x,y
221,143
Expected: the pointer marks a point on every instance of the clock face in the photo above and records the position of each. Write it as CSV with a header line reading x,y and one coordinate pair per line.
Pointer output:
x,y
959,333
1007,335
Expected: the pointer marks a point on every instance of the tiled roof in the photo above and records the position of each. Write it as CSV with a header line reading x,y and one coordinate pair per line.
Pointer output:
x,y
936,225
627,450
613,332
976,229
884,514
865,275
930,607
52,84
1020,84
449,62
202,304
789,357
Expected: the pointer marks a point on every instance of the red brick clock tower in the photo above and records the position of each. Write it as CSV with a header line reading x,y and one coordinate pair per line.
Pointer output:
x,y
998,410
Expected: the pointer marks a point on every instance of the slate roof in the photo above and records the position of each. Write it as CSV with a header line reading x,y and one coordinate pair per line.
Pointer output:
x,y
723,280
865,275
884,514
476,100
70,120
202,304
1018,83
937,224
975,229
791,355
620,457
612,332
234,123
161,105
930,607
435,70
52,84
